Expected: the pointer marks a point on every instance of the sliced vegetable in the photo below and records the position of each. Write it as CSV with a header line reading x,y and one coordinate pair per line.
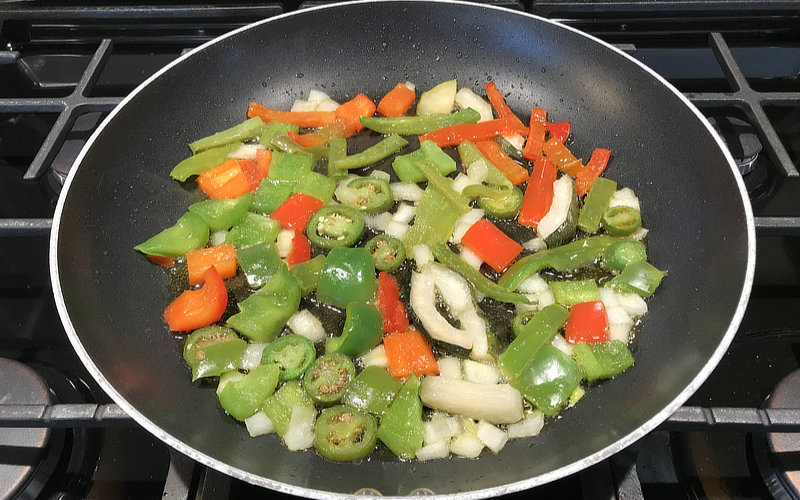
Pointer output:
x,y
396,102
221,257
587,323
223,213
362,331
310,119
307,273
296,211
203,161
242,398
353,110
438,100
317,185
372,390
603,360
417,125
456,134
589,174
287,166
502,205
371,195
536,132
274,129
253,229
624,252
271,193
212,351
335,226
259,263
497,404
434,221
292,354
347,276
532,337
559,130
621,221
189,233
337,151
561,156
405,166
279,406
227,180
444,185
263,314
327,377
408,353
387,252
491,244
343,433
560,223
238,133
640,278
549,380
401,426
595,204
569,293
538,193
389,304
373,154
198,308
502,109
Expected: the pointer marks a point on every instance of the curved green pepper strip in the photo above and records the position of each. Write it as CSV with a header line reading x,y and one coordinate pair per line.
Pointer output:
x,y
373,154
242,398
481,283
444,185
238,133
537,333
640,278
189,233
375,195
363,330
621,221
418,125
337,151
520,320
289,145
222,213
401,426
203,161
293,354
343,433
335,226
213,350
595,204
387,252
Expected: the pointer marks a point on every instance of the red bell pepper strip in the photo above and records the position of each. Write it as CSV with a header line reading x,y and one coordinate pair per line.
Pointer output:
x,y
390,305
301,249
536,132
456,134
491,244
538,193
263,161
559,130
592,170
227,180
397,101
407,353
296,211
345,124
587,322
502,109
515,172
251,172
161,261
354,109
308,119
221,257
562,157
195,309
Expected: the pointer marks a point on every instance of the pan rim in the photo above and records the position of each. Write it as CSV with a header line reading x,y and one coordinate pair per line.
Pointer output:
x,y
524,484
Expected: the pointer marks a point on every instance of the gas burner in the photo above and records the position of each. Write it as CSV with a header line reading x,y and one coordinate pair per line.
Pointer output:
x,y
741,139
774,452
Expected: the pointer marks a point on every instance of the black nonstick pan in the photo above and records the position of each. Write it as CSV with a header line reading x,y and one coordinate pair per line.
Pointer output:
x,y
119,193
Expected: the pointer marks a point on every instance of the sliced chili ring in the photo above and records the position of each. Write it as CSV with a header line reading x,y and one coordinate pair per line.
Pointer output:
x,y
374,195
504,207
343,433
387,252
334,226
292,353
621,220
624,252
520,320
327,377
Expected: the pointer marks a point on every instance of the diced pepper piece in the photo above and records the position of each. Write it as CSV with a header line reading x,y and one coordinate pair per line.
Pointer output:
x,y
238,133
536,132
295,212
640,277
301,249
278,407
354,109
390,305
287,143
253,229
434,221
221,257
549,380
307,273
317,185
271,193
310,119
397,101
408,353
502,109
362,331
273,130
339,128
538,193
195,309
221,214
422,124
456,134
347,276
532,337
289,166
372,390
337,149
558,153
587,323
491,244
263,314
189,233
569,293
595,204
401,426
259,263
161,261
559,130
212,351
405,166
624,252
251,173
263,161
444,185
602,360
227,180
203,161
373,154
242,398
587,176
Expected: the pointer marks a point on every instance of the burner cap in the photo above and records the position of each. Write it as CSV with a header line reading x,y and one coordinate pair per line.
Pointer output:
x,y
783,477
23,448
741,139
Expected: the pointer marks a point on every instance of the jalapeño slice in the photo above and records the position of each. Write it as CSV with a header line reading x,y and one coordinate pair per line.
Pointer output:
x,y
374,195
343,433
334,226
621,220
387,252
504,207
292,353
326,378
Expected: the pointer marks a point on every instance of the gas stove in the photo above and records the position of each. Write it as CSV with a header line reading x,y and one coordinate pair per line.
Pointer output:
x,y
63,69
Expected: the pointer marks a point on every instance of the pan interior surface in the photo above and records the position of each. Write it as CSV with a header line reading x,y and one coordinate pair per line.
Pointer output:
x,y
121,193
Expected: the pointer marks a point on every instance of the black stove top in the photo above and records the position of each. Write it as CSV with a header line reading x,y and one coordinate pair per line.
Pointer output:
x,y
63,68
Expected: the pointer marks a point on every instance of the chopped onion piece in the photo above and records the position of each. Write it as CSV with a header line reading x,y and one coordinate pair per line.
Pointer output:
x,y
465,222
639,234
560,343
378,222
521,308
621,332
404,213
546,298
493,437
317,96
433,451
410,86
633,304
306,324
422,255
471,257
498,404
530,426
380,174
481,373
284,242
406,191
303,105
608,296
618,316
516,140
218,238
454,289
440,429
535,244
624,197
450,366
563,194
466,98
461,181
300,433
246,151
376,357
466,445
259,424
226,377
251,357
328,105
534,284
397,229
478,171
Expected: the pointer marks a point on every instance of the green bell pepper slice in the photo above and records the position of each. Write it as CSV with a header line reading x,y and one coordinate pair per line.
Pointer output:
x,y
372,154
533,336
337,150
569,293
418,125
373,390
253,229
624,252
549,380
444,185
287,166
271,193
406,168
278,407
222,213
213,350
317,185
327,378
205,160
292,354
602,360
363,330
347,276
434,221
621,221
343,433
307,273
244,131
189,233
259,263
288,145
335,226
263,315
387,252
641,278
274,129
595,204
401,426
242,398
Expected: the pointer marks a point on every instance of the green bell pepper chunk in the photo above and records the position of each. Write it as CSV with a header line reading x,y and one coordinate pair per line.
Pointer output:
x,y
259,263
337,150
481,283
602,359
317,185
242,398
401,426
570,257
213,350
307,273
406,168
549,380
278,407
263,315
372,154
288,145
271,193
287,166
363,330
595,204
222,213
274,129
569,293
418,125
347,276
638,277
189,233
444,185
533,336
624,252
434,221
205,160
373,390
238,133
253,229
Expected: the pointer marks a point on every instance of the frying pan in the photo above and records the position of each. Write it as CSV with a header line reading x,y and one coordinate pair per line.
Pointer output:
x,y
119,193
